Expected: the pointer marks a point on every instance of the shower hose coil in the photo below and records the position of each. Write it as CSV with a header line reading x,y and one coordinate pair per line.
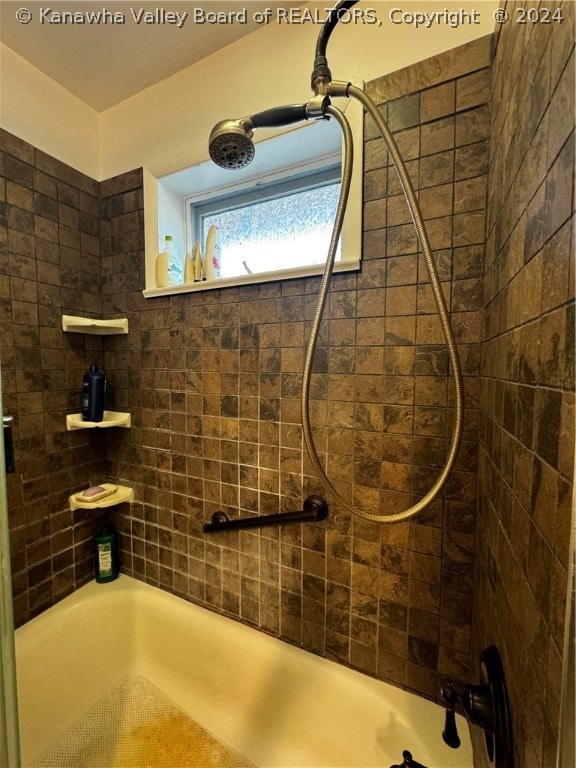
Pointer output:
x,y
339,89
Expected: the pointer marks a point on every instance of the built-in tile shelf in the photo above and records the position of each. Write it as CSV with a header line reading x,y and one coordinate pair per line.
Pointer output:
x,y
74,324
110,419
120,495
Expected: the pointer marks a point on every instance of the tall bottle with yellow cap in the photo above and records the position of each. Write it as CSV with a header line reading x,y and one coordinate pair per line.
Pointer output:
x,y
169,270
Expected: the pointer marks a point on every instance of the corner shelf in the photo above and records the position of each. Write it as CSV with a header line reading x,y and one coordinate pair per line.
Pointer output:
x,y
121,494
73,324
115,326
111,419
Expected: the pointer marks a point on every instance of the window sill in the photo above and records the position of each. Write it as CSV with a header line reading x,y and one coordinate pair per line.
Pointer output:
x,y
350,265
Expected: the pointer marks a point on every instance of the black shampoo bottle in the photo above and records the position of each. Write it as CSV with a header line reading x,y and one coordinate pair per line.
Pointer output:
x,y
93,389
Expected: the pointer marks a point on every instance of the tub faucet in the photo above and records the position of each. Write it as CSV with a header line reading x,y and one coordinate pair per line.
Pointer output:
x,y
408,761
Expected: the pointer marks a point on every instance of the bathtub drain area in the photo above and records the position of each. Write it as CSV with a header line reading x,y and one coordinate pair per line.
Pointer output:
x,y
136,726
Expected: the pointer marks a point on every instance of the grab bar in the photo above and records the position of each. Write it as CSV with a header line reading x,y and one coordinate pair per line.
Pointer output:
x,y
315,508
7,422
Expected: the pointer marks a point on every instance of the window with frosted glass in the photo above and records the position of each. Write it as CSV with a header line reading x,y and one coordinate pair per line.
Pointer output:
x,y
280,226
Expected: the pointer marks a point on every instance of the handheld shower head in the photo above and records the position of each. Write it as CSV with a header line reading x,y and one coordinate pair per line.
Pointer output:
x,y
230,144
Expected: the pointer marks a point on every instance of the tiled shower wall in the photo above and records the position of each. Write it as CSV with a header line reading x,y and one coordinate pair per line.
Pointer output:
x,y
49,265
527,384
212,381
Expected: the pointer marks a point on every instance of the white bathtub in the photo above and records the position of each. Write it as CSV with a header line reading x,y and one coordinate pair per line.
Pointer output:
x,y
275,704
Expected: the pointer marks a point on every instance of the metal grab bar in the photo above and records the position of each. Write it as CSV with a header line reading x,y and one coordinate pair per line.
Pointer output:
x,y
315,508
7,423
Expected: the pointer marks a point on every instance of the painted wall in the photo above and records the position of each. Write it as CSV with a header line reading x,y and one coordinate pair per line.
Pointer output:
x,y
40,111
166,126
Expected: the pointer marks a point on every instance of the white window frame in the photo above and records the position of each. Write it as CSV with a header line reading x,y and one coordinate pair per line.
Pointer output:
x,y
286,184
168,198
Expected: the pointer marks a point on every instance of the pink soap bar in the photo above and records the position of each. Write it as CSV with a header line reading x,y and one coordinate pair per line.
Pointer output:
x,y
93,491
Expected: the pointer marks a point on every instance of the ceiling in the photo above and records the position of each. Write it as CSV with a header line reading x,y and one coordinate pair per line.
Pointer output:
x,y
130,46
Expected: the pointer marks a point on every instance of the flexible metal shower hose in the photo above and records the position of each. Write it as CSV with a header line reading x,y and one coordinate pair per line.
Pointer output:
x,y
341,89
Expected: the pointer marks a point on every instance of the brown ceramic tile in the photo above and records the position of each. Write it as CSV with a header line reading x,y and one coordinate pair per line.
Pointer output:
x,y
532,412
438,101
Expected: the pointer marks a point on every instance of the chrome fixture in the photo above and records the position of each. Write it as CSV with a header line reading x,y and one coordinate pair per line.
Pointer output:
x,y
230,146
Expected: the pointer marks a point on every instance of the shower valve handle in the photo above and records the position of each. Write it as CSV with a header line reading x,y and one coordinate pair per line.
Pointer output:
x,y
450,732
485,705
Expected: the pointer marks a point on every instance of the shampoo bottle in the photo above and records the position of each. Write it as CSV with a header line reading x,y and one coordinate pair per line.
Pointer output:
x,y
198,263
189,268
107,560
93,391
168,265
212,257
